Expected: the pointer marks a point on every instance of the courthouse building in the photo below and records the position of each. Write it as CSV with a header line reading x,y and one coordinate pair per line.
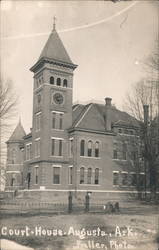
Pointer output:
x,y
82,148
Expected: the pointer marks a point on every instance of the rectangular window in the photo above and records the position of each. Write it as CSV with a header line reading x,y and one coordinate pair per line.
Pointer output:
x,y
28,151
124,155
115,178
37,148
124,179
38,121
133,178
115,154
124,151
36,175
141,179
71,147
70,177
53,147
53,120
56,175
61,121
60,147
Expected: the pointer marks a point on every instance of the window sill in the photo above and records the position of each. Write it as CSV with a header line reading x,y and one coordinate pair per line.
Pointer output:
x,y
85,184
57,129
90,157
119,160
57,156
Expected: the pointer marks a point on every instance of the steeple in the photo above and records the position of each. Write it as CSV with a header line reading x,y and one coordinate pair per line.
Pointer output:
x,y
18,133
54,51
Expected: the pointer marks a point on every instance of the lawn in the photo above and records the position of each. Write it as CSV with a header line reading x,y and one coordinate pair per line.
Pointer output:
x,y
135,228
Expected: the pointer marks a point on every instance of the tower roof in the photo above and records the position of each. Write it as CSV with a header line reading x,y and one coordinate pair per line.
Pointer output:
x,y
18,133
54,49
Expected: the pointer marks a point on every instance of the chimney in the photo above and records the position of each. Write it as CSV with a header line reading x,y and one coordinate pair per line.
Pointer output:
x,y
146,114
108,113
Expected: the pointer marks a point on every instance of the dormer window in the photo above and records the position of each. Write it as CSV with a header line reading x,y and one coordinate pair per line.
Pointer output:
x,y
52,80
58,82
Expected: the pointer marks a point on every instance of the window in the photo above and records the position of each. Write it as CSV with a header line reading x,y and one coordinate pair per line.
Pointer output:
x,y
37,121
82,175
12,181
97,149
56,175
58,82
53,120
115,178
82,148
37,148
70,177
51,80
13,156
28,151
52,146
65,83
56,147
141,179
115,154
124,179
133,155
39,99
124,151
120,130
36,175
89,176
133,179
89,148
61,121
71,148
60,147
96,179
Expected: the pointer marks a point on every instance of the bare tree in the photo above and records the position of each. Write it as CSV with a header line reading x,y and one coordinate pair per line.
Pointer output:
x,y
143,103
8,105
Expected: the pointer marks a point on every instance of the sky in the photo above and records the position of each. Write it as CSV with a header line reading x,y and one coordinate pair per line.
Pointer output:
x,y
109,42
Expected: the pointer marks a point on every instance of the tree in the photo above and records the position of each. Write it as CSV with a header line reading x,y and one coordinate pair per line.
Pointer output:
x,y
143,103
8,105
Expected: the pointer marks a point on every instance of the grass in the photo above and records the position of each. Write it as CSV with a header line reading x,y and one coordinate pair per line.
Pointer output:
x,y
143,220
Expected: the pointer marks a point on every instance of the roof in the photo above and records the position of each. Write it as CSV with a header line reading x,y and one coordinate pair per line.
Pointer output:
x,y
18,133
92,116
54,49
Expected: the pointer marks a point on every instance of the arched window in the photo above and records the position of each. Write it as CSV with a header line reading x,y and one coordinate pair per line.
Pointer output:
x,y
65,83
51,80
82,146
89,148
81,175
13,155
58,82
96,179
89,176
97,149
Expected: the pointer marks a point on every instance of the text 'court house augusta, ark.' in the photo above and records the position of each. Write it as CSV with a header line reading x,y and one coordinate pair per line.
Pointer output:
x,y
79,148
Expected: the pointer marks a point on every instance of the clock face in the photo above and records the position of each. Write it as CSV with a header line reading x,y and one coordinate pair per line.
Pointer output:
x,y
58,98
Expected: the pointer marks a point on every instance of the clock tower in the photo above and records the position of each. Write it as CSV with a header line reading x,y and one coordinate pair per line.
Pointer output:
x,y
52,115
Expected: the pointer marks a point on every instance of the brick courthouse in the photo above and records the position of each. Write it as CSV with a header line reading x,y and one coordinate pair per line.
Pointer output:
x,y
78,147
